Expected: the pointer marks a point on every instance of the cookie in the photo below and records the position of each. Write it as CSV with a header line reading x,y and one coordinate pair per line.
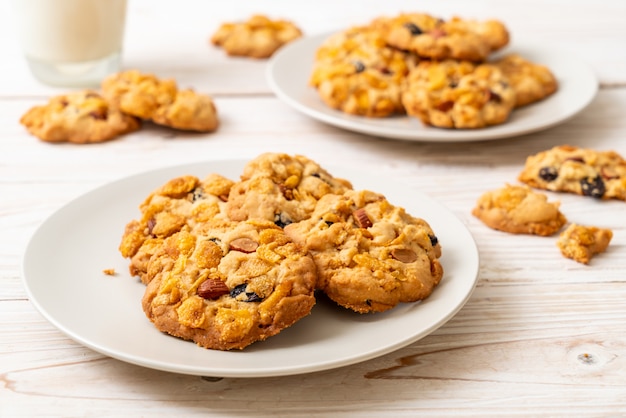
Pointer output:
x,y
581,243
184,201
370,254
531,82
150,98
82,117
458,94
258,37
519,210
582,171
281,188
434,38
229,285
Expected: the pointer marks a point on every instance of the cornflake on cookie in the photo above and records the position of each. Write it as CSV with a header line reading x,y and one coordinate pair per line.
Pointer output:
x,y
258,37
81,118
581,243
519,210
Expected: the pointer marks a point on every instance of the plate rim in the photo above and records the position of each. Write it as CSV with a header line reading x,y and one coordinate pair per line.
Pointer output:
x,y
428,134
260,372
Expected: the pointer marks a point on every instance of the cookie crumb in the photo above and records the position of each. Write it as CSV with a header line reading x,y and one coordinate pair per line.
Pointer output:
x,y
110,272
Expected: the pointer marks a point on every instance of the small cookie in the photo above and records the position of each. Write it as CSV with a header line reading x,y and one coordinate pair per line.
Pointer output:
x,y
281,188
81,118
434,38
230,285
532,82
370,255
458,94
148,97
182,201
357,73
580,243
519,210
581,171
258,37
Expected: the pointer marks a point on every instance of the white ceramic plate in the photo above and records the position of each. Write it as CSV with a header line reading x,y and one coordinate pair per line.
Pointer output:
x,y
289,70
63,273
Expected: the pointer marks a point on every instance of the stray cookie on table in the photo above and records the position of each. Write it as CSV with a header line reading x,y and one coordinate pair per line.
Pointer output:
x,y
582,171
148,97
581,243
82,117
370,254
458,94
519,210
258,37
434,38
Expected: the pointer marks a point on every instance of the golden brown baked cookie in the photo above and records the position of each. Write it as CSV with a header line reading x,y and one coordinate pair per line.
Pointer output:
x,y
458,94
370,254
148,97
258,37
357,73
281,188
519,210
82,117
581,243
227,285
582,171
532,82
184,201
434,38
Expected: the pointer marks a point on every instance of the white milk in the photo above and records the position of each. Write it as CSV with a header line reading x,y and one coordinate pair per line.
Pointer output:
x,y
71,37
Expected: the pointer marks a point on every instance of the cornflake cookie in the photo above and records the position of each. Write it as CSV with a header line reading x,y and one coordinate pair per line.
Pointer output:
x,y
458,94
184,201
435,38
357,73
148,97
519,210
281,188
586,172
81,118
258,37
228,285
532,82
370,255
581,243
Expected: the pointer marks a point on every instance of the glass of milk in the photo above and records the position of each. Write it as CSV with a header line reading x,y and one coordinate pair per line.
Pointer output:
x,y
71,43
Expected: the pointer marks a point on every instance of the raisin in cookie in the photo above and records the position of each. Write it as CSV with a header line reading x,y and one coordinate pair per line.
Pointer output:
x,y
182,201
370,254
230,284
150,98
587,172
435,38
580,242
281,188
532,82
258,37
519,210
458,94
82,117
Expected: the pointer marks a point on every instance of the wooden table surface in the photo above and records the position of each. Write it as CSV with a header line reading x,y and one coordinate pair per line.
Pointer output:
x,y
541,335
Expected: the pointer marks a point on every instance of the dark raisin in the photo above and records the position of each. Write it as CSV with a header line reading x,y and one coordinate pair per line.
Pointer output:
x,y
151,225
282,220
368,302
413,28
593,187
329,223
98,115
197,194
359,66
493,97
250,296
453,84
548,173
433,240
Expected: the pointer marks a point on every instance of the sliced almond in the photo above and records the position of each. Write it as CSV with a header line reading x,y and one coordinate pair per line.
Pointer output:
x,y
212,289
361,218
245,245
404,255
